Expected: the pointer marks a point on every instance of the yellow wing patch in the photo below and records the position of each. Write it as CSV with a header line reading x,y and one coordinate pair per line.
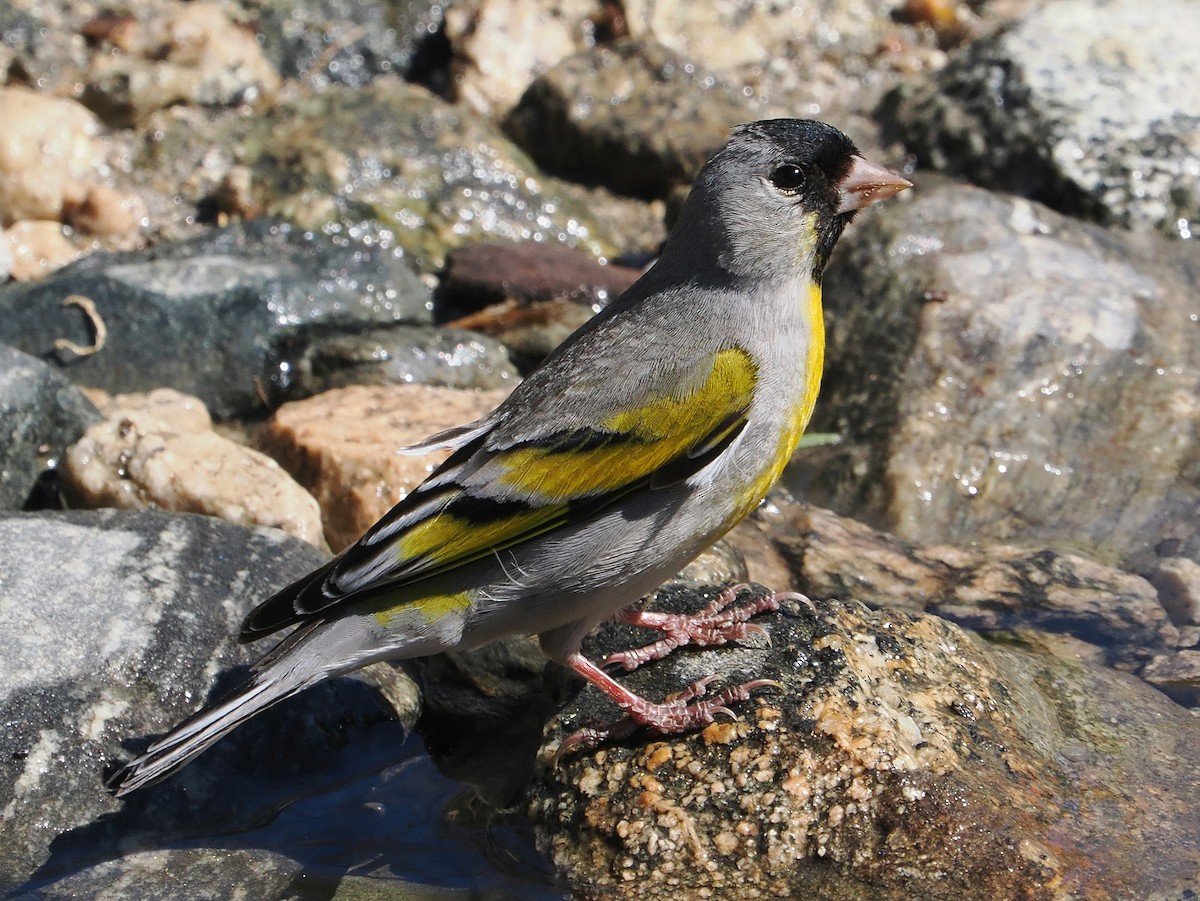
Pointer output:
x,y
449,539
624,450
643,439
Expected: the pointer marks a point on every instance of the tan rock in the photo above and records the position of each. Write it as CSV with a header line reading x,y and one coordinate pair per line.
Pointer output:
x,y
1176,675
182,53
159,450
342,446
987,587
500,46
38,247
48,152
106,212
1178,582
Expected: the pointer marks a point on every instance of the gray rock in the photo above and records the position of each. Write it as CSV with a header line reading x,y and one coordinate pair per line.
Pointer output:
x,y
40,414
999,372
36,48
1176,675
632,116
6,259
990,588
206,316
1089,107
899,758
350,42
176,874
418,354
125,620
392,164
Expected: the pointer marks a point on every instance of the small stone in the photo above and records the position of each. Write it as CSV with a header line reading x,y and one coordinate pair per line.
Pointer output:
x,y
159,450
37,248
1176,675
499,46
343,445
106,212
48,151
1178,582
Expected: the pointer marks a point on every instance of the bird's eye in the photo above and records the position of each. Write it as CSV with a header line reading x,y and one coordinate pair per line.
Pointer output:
x,y
788,178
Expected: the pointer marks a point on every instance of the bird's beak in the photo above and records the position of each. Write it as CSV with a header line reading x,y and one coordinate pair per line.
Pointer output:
x,y
866,183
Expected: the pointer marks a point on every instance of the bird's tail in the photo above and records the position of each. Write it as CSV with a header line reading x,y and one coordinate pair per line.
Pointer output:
x,y
279,675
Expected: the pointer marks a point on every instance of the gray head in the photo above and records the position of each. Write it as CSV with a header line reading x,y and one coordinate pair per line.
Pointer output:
x,y
772,203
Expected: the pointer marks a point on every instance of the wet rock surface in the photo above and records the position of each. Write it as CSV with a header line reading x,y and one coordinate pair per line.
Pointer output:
x,y
126,620
41,413
203,316
443,357
892,739
1063,359
1068,108
394,165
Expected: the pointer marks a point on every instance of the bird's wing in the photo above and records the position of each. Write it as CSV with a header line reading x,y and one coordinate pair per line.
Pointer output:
x,y
510,483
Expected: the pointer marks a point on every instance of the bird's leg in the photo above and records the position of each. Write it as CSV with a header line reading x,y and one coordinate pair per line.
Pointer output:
x,y
716,624
680,713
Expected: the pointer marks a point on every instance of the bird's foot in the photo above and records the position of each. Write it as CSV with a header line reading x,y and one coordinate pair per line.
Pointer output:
x,y
682,712
716,624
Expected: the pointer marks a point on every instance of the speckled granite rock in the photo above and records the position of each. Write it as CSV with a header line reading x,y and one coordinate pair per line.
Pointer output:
x,y
900,759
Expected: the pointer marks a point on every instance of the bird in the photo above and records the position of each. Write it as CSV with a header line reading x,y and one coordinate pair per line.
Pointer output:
x,y
647,435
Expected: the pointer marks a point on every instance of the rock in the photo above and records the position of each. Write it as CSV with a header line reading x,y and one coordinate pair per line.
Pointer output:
x,y
414,354
1075,107
1176,675
205,316
6,256
1177,580
351,42
126,618
901,758
500,46
989,588
37,248
531,331
529,296
392,164
107,213
728,35
48,153
342,446
40,414
178,53
633,116
490,272
998,371
159,450
178,874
